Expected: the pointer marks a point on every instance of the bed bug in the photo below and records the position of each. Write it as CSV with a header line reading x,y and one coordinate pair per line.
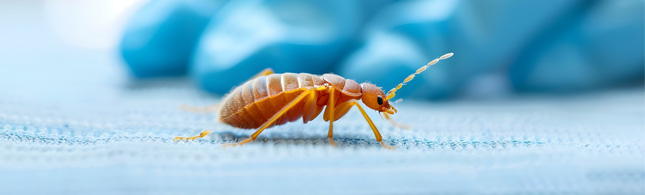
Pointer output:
x,y
270,99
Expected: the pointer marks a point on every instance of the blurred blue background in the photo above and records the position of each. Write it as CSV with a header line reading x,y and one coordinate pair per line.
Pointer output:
x,y
501,46
545,97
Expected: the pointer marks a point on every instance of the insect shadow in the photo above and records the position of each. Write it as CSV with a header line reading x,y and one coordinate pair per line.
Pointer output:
x,y
348,141
342,141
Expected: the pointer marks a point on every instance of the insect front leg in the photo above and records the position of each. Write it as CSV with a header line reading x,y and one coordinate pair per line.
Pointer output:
x,y
377,134
344,107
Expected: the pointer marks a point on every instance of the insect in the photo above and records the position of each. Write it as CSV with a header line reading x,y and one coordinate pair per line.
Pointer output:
x,y
269,99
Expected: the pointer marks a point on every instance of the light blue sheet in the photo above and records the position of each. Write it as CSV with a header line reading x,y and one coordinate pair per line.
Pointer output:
x,y
108,136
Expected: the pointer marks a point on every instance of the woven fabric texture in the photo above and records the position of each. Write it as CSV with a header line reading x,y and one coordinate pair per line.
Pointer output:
x,y
108,136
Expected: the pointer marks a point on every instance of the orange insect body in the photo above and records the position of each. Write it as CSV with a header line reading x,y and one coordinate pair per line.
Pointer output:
x,y
274,99
256,101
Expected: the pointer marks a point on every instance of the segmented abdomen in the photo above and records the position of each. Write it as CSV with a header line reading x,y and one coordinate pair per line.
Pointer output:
x,y
254,102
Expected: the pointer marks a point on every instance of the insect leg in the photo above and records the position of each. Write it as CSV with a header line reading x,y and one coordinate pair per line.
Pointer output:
x,y
369,121
342,109
396,124
274,118
310,109
202,134
329,114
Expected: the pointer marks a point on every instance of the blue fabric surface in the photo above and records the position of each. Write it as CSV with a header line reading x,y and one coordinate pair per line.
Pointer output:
x,y
111,136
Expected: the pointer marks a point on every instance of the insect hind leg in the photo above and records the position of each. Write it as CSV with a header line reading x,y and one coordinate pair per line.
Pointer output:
x,y
201,135
274,118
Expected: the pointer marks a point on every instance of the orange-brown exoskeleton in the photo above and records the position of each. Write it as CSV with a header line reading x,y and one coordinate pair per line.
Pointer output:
x,y
274,99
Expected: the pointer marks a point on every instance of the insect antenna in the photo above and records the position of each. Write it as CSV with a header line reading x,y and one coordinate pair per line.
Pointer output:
x,y
391,93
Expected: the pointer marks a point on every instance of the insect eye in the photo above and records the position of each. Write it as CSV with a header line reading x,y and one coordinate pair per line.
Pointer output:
x,y
379,100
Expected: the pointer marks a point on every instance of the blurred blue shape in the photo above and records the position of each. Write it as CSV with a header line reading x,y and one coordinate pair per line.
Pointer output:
x,y
402,38
161,37
599,45
526,46
288,36
511,39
